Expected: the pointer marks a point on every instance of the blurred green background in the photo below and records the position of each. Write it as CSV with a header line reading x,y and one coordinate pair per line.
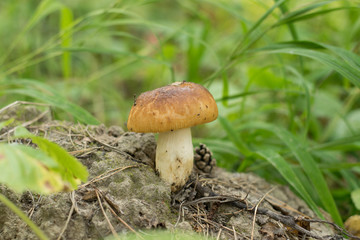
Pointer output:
x,y
285,74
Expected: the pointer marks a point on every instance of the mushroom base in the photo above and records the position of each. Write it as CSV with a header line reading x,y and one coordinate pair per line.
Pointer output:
x,y
174,157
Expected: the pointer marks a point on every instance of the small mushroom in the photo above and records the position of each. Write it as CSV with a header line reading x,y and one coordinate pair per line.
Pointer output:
x,y
171,111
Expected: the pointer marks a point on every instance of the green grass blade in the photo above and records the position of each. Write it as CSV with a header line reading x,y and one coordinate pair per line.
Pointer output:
x,y
260,91
225,90
5,123
355,197
349,57
234,136
351,179
242,44
41,91
219,145
307,98
66,20
296,18
195,54
116,52
45,8
338,166
251,36
286,171
301,13
343,144
312,170
346,68
283,8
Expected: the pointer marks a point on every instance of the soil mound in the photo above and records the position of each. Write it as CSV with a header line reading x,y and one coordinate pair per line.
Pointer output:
x,y
124,194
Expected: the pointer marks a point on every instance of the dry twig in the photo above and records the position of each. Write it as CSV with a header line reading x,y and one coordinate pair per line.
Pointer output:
x,y
289,221
256,208
106,174
22,103
106,217
341,230
126,155
84,151
114,209
35,204
25,123
219,234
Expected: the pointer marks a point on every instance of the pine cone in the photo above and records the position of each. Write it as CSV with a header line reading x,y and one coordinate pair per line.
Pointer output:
x,y
203,159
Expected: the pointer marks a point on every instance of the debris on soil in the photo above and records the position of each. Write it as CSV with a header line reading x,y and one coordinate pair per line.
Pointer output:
x,y
124,194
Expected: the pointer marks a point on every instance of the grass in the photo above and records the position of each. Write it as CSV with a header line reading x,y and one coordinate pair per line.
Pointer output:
x,y
285,74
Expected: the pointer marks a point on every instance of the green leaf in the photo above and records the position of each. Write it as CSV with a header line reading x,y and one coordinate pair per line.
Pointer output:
x,y
344,62
69,167
48,95
355,197
234,136
338,166
24,168
195,53
66,22
161,235
312,171
343,144
292,18
219,145
284,10
299,150
301,14
225,90
254,30
287,172
265,78
5,123
249,93
44,8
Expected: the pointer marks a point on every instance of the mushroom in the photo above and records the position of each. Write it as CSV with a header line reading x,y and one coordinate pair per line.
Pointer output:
x,y
171,111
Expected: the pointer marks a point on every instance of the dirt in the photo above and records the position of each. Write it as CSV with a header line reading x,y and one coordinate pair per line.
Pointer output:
x,y
134,198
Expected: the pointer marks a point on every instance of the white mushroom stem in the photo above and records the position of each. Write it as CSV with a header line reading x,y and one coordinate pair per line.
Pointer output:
x,y
174,157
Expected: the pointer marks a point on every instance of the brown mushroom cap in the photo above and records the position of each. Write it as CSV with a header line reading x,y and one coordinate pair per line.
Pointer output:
x,y
176,106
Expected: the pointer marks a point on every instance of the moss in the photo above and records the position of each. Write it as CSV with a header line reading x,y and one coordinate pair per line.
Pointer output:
x,y
142,199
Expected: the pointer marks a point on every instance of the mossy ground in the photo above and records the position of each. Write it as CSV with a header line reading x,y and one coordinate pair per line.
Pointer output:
x,y
140,199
